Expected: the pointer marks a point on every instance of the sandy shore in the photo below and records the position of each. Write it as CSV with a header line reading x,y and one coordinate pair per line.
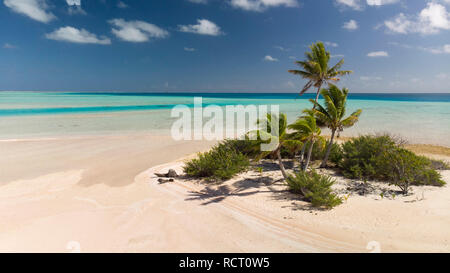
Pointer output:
x,y
97,194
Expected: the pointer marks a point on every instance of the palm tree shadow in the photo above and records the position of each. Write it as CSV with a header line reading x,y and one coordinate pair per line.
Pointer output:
x,y
240,188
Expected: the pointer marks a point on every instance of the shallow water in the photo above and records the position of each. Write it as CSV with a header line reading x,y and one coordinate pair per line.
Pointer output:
x,y
419,118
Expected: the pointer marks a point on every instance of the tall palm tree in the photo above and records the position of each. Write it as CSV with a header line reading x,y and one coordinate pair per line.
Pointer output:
x,y
279,138
332,114
316,69
306,128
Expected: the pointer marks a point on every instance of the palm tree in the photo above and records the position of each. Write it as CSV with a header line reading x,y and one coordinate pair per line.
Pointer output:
x,y
279,139
316,69
307,129
332,114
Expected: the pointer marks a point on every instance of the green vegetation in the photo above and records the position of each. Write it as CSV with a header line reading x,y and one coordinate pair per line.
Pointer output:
x,y
332,114
307,130
315,188
439,165
222,162
316,68
381,158
270,141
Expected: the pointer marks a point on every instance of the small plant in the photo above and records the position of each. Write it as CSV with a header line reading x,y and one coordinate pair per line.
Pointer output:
x,y
315,188
222,162
259,170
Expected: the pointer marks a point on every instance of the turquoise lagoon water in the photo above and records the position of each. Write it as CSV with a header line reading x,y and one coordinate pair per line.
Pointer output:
x,y
419,118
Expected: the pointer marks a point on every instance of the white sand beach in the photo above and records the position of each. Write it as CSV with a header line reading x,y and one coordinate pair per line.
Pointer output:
x,y
100,194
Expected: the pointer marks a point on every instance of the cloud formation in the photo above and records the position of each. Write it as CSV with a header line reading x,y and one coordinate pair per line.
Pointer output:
x,y
75,7
350,25
269,58
360,5
136,31
203,27
430,20
35,9
262,5
79,36
376,54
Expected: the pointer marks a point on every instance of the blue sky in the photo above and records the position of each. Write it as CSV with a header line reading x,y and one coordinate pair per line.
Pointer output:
x,y
220,45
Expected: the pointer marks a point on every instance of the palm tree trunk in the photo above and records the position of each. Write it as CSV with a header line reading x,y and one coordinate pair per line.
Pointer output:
x,y
327,154
302,154
280,163
317,96
308,158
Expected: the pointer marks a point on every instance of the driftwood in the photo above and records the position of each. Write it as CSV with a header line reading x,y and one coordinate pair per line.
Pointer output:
x,y
162,181
171,173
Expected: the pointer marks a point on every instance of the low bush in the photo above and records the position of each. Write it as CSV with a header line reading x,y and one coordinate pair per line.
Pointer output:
x,y
439,165
381,158
245,146
222,162
404,169
315,188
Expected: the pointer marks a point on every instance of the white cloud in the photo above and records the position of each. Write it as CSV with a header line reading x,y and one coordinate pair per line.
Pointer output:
x,y
136,31
445,49
261,5
331,44
35,9
381,2
122,5
350,25
338,56
360,5
73,2
269,58
282,48
75,7
189,49
74,35
378,54
354,4
432,19
203,27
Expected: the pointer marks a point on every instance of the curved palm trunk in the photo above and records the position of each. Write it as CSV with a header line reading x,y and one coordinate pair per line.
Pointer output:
x,y
302,154
317,96
308,158
327,154
280,163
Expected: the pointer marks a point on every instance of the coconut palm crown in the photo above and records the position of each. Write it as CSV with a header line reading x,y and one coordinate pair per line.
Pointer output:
x,y
316,69
332,113
307,129
275,136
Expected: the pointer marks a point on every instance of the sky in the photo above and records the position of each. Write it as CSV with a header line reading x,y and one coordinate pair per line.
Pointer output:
x,y
393,46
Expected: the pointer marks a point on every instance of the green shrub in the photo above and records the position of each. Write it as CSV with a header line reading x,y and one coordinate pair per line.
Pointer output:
x,y
439,165
245,146
363,157
222,162
315,188
381,158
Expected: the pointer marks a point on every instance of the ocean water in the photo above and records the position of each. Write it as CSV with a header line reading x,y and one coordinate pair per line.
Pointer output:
x,y
419,118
